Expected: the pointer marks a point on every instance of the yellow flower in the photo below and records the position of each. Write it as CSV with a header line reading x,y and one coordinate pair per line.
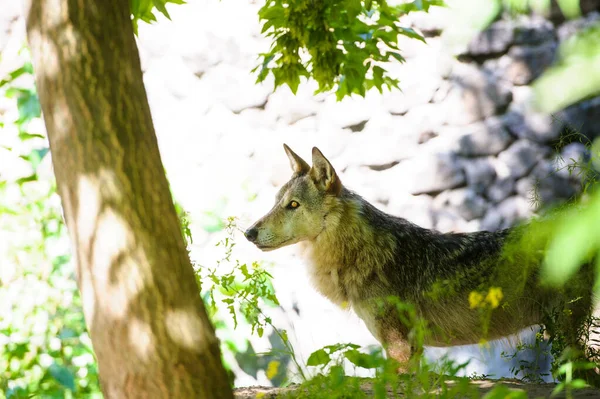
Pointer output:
x,y
475,299
345,305
272,369
494,297
260,395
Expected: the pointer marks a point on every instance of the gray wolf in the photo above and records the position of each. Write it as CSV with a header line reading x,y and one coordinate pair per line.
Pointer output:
x,y
358,255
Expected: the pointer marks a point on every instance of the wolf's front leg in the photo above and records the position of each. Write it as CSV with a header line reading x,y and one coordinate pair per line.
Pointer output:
x,y
397,348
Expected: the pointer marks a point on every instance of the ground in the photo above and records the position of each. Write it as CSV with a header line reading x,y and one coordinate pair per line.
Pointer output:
x,y
484,386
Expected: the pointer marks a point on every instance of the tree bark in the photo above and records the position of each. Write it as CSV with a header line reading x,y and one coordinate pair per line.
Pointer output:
x,y
148,325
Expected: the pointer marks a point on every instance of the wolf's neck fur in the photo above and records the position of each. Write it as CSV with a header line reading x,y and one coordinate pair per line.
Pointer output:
x,y
350,250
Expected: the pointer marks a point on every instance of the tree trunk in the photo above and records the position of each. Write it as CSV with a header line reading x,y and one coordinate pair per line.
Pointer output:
x,y
147,322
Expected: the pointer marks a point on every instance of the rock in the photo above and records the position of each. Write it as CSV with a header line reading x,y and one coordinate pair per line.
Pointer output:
x,y
543,192
383,124
12,39
425,118
479,173
484,138
425,173
545,185
432,173
583,118
415,209
475,95
442,92
524,63
419,80
447,221
350,111
235,88
519,159
500,189
528,187
386,150
506,214
533,30
466,202
493,40
11,10
257,118
431,23
527,124
572,158
288,108
569,28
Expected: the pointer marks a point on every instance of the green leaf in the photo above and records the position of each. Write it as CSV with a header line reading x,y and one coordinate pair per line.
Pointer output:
x,y
20,350
26,68
35,157
17,393
24,136
28,105
570,8
27,179
397,56
340,347
62,375
578,384
211,223
318,358
361,359
160,6
503,392
408,32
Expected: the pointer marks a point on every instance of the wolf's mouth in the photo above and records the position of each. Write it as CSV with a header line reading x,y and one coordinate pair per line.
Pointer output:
x,y
267,248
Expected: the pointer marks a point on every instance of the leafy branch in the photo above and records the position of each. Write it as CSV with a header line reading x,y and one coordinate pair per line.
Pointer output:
x,y
342,45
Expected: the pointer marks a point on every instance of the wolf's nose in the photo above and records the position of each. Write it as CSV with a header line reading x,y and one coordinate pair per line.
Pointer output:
x,y
251,234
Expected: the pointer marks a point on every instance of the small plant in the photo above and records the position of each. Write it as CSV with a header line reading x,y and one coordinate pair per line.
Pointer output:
x,y
568,370
242,289
527,370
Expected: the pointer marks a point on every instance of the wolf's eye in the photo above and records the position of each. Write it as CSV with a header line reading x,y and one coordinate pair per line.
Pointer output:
x,y
293,205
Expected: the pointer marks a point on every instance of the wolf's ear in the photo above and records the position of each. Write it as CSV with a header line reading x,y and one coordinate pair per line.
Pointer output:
x,y
323,173
299,165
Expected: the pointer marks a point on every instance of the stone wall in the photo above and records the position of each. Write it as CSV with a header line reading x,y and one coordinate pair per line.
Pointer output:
x,y
458,149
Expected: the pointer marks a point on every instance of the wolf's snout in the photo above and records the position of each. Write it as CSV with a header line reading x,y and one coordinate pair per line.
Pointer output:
x,y
251,234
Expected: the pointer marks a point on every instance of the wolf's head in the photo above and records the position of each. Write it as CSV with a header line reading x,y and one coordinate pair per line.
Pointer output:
x,y
301,205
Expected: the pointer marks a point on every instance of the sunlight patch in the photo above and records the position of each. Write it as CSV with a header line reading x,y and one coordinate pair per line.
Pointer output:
x,y
141,338
106,237
184,326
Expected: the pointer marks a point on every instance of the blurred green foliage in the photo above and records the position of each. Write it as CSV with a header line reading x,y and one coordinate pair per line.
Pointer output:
x,y
45,350
575,75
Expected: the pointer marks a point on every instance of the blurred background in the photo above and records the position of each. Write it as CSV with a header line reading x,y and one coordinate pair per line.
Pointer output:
x,y
477,139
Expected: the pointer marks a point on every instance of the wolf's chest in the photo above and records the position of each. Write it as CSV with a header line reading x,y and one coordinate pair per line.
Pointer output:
x,y
329,283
